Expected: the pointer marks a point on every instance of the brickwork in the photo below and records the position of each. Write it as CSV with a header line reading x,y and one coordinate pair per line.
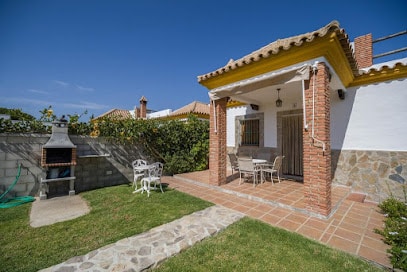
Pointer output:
x,y
317,162
364,51
143,107
217,146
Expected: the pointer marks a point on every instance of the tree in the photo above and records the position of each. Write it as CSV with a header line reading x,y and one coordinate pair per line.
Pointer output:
x,y
17,114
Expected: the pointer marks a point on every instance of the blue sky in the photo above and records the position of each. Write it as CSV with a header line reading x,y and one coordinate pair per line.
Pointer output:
x,y
97,55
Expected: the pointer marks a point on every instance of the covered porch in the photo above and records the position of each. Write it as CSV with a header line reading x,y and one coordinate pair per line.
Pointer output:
x,y
286,90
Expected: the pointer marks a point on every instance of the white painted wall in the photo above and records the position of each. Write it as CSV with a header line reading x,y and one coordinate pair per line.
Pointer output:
x,y
372,117
270,124
231,113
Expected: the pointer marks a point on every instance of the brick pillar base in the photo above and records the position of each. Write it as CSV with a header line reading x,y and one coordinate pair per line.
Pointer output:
x,y
317,163
217,142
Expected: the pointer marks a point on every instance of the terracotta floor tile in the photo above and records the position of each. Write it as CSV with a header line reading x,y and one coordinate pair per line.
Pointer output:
x,y
374,244
374,255
255,213
317,224
288,225
280,212
350,228
310,232
297,217
349,235
343,244
270,219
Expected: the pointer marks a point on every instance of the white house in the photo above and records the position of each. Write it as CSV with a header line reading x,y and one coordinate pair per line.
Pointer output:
x,y
318,100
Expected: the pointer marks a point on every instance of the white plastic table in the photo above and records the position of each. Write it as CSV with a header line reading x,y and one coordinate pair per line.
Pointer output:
x,y
259,161
256,162
144,168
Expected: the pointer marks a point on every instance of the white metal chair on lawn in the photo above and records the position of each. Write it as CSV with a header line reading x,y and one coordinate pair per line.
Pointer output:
x,y
272,169
248,168
138,173
154,176
234,164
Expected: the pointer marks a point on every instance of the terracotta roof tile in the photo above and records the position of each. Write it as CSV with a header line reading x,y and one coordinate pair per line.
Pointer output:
x,y
194,107
116,113
286,44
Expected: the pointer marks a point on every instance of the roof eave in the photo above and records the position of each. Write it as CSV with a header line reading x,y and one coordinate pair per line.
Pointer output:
x,y
333,46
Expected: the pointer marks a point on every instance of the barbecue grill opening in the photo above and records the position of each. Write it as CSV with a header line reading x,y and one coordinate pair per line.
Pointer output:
x,y
58,155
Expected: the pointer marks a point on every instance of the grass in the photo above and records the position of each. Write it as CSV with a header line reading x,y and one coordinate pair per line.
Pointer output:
x,y
251,245
116,213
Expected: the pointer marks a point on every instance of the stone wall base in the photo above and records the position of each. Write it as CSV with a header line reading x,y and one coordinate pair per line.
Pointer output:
x,y
378,174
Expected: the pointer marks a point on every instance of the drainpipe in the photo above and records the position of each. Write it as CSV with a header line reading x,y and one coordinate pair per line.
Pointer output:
x,y
214,116
314,70
303,106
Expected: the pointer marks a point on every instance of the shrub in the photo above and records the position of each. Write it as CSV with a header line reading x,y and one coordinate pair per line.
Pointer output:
x,y
183,146
395,231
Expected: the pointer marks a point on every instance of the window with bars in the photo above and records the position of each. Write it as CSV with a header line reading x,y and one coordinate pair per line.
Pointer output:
x,y
249,132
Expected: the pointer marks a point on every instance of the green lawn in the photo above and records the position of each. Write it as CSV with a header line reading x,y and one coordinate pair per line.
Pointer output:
x,y
251,245
116,213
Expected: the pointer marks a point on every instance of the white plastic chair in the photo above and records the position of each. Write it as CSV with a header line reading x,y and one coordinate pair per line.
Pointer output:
x,y
154,176
248,168
272,169
138,173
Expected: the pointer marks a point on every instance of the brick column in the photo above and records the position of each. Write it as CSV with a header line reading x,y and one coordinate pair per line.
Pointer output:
x,y
317,163
217,143
364,51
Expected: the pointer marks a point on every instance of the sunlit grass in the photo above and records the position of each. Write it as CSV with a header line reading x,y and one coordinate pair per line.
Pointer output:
x,y
250,245
115,213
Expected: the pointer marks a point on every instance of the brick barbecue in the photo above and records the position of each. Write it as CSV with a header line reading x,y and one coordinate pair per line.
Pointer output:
x,y
58,158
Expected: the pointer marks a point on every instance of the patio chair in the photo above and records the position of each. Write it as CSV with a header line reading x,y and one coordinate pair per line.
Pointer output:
x,y
138,173
272,169
234,164
154,176
248,168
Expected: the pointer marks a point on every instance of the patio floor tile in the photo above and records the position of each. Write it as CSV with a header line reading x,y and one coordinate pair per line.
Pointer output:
x,y
350,227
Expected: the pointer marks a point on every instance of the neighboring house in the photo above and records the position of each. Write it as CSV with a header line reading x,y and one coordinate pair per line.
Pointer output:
x,y
199,109
196,108
140,112
317,99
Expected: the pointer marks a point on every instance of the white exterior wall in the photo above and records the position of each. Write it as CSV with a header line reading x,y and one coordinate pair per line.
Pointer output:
x,y
372,117
270,124
231,113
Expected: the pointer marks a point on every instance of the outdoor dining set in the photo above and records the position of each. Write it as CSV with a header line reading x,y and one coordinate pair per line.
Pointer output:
x,y
147,174
255,168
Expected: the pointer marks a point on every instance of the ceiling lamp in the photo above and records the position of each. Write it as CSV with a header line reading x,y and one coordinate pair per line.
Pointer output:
x,y
279,102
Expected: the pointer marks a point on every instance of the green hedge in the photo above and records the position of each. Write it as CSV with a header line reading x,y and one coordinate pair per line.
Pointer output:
x,y
182,146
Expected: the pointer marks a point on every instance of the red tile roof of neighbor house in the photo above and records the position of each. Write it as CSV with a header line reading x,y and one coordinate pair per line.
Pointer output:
x,y
116,114
195,107
286,44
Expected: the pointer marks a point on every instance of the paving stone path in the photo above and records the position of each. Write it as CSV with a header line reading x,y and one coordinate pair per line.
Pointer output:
x,y
146,250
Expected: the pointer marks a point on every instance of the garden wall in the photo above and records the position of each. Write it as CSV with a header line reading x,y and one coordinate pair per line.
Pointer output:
x,y
99,164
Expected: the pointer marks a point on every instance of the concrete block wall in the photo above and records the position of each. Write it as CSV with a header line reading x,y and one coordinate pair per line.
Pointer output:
x,y
99,164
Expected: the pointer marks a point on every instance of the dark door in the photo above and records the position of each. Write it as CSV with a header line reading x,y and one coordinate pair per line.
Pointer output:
x,y
292,148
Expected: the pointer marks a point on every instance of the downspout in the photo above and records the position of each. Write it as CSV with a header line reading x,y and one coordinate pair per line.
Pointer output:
x,y
314,70
214,116
303,106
